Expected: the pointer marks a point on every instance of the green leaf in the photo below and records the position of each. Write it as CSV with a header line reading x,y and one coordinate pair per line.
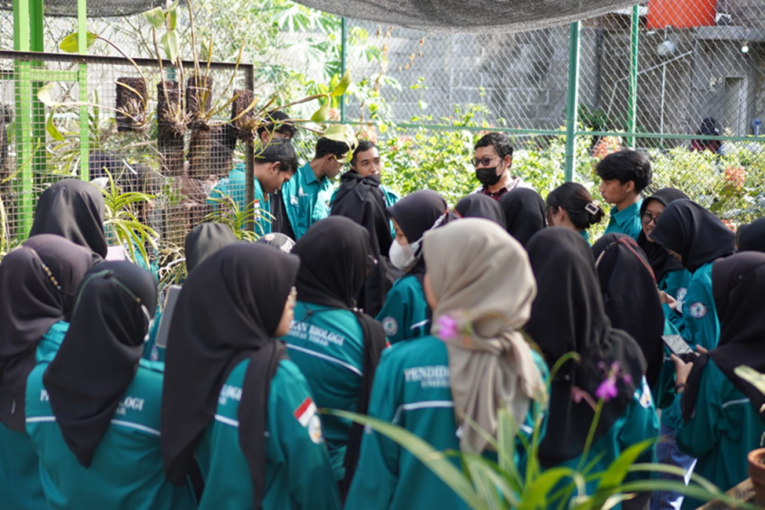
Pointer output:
x,y
172,19
345,82
169,43
434,460
71,43
44,95
536,492
51,128
322,114
155,17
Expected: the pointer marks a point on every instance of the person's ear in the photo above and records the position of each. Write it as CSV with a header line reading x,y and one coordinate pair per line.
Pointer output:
x,y
508,160
630,186
276,167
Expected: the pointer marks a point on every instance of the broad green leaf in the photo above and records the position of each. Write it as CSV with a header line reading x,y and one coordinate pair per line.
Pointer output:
x,y
617,471
71,44
51,128
155,17
169,42
322,114
44,95
434,460
172,19
345,82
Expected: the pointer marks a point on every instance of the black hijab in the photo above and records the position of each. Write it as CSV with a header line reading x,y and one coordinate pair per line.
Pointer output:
x,y
204,240
335,256
695,233
415,214
75,210
228,311
738,284
661,262
751,237
38,282
479,205
525,213
100,354
568,316
631,297
361,200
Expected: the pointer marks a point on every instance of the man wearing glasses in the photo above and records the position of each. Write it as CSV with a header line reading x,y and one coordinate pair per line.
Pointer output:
x,y
492,161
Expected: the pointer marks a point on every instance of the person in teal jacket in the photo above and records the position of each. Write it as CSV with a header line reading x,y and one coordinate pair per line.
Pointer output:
x,y
719,416
406,313
274,165
308,194
623,176
93,412
696,238
569,316
336,346
477,363
38,282
234,407
570,205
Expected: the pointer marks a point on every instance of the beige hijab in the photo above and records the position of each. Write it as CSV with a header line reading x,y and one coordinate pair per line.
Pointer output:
x,y
482,278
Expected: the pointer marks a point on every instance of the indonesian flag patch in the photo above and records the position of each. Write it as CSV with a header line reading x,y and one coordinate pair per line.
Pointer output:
x,y
305,411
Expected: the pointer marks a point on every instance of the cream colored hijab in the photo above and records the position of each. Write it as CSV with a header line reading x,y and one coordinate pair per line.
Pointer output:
x,y
482,278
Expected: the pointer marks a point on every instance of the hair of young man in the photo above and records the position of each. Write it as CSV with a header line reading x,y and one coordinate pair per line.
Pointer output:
x,y
326,146
626,165
363,146
572,197
278,122
279,151
501,144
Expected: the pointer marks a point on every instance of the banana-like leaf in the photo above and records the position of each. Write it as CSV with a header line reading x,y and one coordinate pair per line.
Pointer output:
x,y
345,82
71,43
322,114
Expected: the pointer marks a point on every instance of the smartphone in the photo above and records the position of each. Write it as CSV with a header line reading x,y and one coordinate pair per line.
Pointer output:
x,y
677,345
167,315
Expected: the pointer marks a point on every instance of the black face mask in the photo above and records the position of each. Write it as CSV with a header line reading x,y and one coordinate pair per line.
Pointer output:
x,y
487,176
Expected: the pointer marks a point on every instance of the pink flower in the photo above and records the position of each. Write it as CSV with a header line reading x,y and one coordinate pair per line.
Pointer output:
x,y
446,328
607,389
578,394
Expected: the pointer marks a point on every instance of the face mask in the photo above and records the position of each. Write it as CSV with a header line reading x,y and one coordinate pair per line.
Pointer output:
x,y
403,256
487,176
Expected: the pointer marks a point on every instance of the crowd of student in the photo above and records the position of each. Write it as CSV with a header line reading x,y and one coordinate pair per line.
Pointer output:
x,y
421,315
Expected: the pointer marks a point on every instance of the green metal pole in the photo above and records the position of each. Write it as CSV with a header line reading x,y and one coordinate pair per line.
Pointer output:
x,y
343,62
633,81
37,43
23,91
572,101
82,72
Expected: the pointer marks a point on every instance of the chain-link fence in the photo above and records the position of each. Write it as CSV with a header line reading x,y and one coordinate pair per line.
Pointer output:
x,y
126,127
683,80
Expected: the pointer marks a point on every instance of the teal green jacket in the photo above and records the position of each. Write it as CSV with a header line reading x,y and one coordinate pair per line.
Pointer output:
x,y
306,199
126,472
411,390
638,423
20,484
626,221
700,324
298,472
327,345
233,186
722,431
406,313
676,283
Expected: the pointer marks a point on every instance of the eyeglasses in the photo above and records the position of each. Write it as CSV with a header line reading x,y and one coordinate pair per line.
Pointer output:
x,y
648,218
483,161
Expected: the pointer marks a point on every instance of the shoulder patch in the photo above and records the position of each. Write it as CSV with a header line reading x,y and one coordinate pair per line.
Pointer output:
x,y
645,399
314,429
390,326
681,293
305,411
697,310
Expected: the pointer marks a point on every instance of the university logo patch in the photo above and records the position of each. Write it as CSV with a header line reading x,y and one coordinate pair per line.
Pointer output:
x,y
697,310
390,326
305,411
645,398
314,429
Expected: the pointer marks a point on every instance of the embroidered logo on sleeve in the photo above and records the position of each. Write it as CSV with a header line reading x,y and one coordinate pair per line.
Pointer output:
x,y
697,310
645,399
314,429
390,326
305,411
